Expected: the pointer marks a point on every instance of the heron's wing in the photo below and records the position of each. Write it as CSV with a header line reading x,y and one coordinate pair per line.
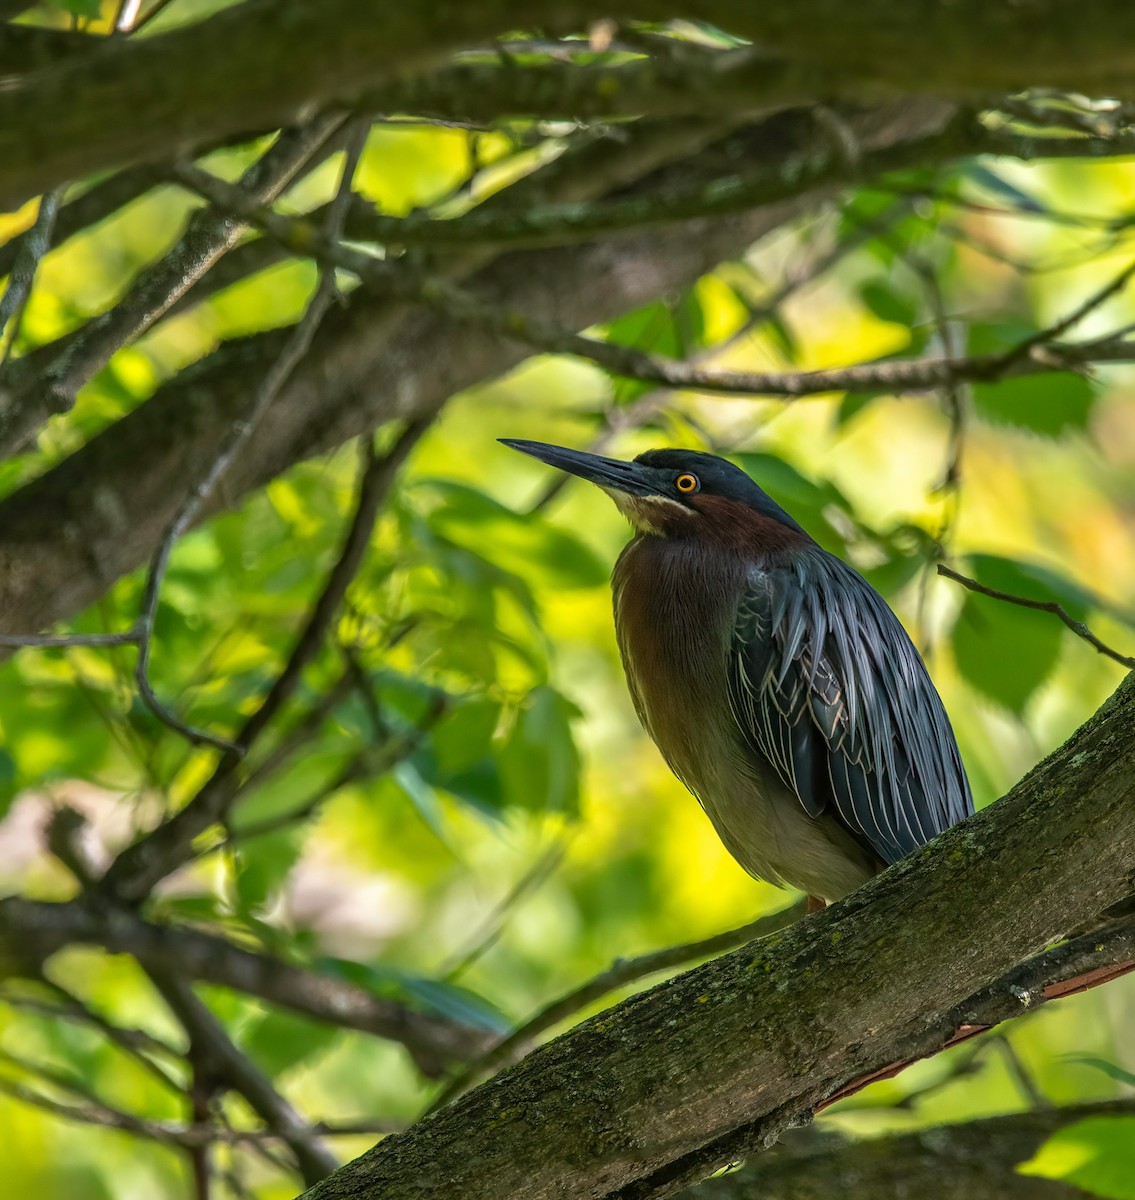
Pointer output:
x,y
827,686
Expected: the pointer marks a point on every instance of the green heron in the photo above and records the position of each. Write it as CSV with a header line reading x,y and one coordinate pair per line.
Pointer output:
x,y
777,683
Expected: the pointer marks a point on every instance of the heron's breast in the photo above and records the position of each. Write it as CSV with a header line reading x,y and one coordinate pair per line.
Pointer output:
x,y
674,612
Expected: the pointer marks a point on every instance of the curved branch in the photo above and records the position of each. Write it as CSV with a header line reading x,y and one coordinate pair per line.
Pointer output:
x,y
657,1092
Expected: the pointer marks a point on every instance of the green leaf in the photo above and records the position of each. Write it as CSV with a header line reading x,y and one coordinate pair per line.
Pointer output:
x,y
1096,1154
8,780
464,736
539,762
523,544
422,796
460,758
432,995
280,1041
263,864
1005,651
652,328
887,303
1109,1069
853,403
1005,654
1046,404
80,8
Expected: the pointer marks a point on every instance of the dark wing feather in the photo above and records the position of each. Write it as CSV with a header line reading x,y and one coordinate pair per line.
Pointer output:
x,y
829,689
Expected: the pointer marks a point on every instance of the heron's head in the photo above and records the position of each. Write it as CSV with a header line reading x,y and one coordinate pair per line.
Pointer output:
x,y
674,493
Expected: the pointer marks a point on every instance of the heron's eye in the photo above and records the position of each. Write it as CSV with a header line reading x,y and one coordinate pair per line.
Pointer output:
x,y
687,483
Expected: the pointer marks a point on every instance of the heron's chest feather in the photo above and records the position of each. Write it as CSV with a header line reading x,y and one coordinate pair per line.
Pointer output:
x,y
674,610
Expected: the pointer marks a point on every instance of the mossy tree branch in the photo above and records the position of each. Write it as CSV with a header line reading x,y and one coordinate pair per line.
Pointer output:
x,y
653,1094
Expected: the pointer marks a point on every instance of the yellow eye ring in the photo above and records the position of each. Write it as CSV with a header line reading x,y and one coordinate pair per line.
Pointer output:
x,y
686,483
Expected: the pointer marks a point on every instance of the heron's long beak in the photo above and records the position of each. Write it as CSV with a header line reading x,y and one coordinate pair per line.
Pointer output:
x,y
611,474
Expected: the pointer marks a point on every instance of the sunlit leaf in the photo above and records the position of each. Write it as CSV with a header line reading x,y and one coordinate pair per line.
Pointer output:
x,y
997,185
1096,1154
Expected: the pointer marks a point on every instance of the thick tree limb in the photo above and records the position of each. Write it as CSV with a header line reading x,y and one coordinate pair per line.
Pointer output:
x,y
655,1093
260,63
946,1162
31,931
257,65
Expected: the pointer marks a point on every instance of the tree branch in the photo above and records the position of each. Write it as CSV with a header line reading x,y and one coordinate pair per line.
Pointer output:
x,y
657,1092
217,1058
946,1162
33,246
31,931
141,866
460,304
258,64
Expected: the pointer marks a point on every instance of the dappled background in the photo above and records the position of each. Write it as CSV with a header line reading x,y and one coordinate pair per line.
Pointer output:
x,y
471,822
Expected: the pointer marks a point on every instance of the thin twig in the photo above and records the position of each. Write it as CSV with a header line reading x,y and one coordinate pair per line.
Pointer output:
x,y
299,735
376,475
1021,1074
48,389
369,762
621,973
494,923
72,1009
1054,332
170,1133
68,641
134,1042
33,246
1049,606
